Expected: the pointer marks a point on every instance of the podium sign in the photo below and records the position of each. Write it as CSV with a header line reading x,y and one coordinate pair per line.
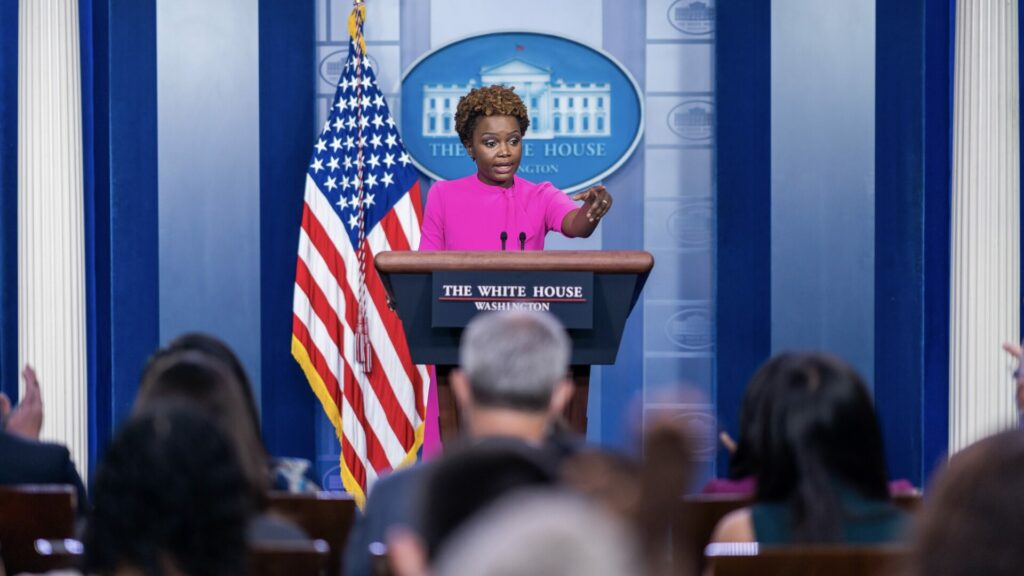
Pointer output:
x,y
459,295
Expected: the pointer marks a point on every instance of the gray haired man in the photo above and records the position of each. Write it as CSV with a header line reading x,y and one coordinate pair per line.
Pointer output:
x,y
513,375
512,383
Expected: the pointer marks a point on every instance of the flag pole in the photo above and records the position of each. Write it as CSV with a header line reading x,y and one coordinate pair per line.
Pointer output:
x,y
364,354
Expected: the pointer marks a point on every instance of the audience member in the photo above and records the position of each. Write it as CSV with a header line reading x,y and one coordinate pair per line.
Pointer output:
x,y
743,458
469,479
971,522
171,498
211,386
821,473
23,458
1017,352
282,472
542,533
512,384
27,419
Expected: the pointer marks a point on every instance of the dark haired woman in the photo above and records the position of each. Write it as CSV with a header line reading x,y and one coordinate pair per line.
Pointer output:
x,y
821,474
285,474
743,461
471,213
201,380
170,498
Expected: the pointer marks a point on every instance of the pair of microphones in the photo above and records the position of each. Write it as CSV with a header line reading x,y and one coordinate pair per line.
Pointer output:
x,y
522,241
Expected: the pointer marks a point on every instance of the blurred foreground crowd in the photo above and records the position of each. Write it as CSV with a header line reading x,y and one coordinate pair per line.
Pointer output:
x,y
184,487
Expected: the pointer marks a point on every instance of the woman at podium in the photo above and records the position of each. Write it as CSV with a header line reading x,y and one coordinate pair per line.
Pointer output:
x,y
494,209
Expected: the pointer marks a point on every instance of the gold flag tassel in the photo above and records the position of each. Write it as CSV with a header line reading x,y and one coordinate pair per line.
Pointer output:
x,y
364,350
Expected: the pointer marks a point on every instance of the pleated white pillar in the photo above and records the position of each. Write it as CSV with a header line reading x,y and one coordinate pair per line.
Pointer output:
x,y
51,247
985,306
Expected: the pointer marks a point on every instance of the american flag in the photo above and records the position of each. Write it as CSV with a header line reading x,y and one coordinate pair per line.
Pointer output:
x,y
362,197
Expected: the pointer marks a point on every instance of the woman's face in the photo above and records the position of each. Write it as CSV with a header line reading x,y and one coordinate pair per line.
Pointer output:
x,y
497,147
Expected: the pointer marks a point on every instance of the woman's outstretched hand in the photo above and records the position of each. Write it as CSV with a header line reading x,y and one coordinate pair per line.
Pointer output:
x,y
597,201
581,222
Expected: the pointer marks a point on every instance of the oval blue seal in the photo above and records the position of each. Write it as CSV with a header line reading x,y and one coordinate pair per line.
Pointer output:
x,y
586,109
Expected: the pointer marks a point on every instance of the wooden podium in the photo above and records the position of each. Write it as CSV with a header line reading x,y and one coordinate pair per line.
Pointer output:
x,y
595,327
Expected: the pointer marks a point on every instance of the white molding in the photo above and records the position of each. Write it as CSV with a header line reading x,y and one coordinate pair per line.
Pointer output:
x,y
51,236
985,282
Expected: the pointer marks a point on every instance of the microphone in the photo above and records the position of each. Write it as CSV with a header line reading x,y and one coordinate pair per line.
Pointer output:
x,y
504,237
522,241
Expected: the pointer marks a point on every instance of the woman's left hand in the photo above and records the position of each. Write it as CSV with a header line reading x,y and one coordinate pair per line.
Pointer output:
x,y
597,202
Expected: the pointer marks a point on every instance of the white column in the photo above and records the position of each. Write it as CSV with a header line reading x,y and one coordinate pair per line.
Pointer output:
x,y
985,306
51,248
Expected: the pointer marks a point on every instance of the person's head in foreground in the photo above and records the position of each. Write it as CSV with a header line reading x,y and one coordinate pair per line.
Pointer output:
x,y
821,474
470,479
512,379
491,122
216,349
209,384
170,498
542,533
973,520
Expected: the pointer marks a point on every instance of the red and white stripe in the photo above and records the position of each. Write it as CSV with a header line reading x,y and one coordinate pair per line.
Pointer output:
x,y
380,411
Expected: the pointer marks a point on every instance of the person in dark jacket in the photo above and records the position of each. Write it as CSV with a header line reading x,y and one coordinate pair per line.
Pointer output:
x,y
23,458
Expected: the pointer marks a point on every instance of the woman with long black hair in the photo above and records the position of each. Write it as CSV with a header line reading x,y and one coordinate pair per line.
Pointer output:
x,y
821,474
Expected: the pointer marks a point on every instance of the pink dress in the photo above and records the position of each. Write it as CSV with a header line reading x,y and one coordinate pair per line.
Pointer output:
x,y
466,214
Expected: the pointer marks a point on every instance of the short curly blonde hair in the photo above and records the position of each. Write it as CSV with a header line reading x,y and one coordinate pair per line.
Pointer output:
x,y
494,100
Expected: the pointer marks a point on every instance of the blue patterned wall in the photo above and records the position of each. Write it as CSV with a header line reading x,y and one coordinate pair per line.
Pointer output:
x,y
679,216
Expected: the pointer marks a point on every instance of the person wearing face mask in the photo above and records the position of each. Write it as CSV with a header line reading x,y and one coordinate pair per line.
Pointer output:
x,y
494,209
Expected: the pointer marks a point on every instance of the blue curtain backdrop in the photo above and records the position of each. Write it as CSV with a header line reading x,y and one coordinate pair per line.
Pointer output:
x,y
909,110
9,197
